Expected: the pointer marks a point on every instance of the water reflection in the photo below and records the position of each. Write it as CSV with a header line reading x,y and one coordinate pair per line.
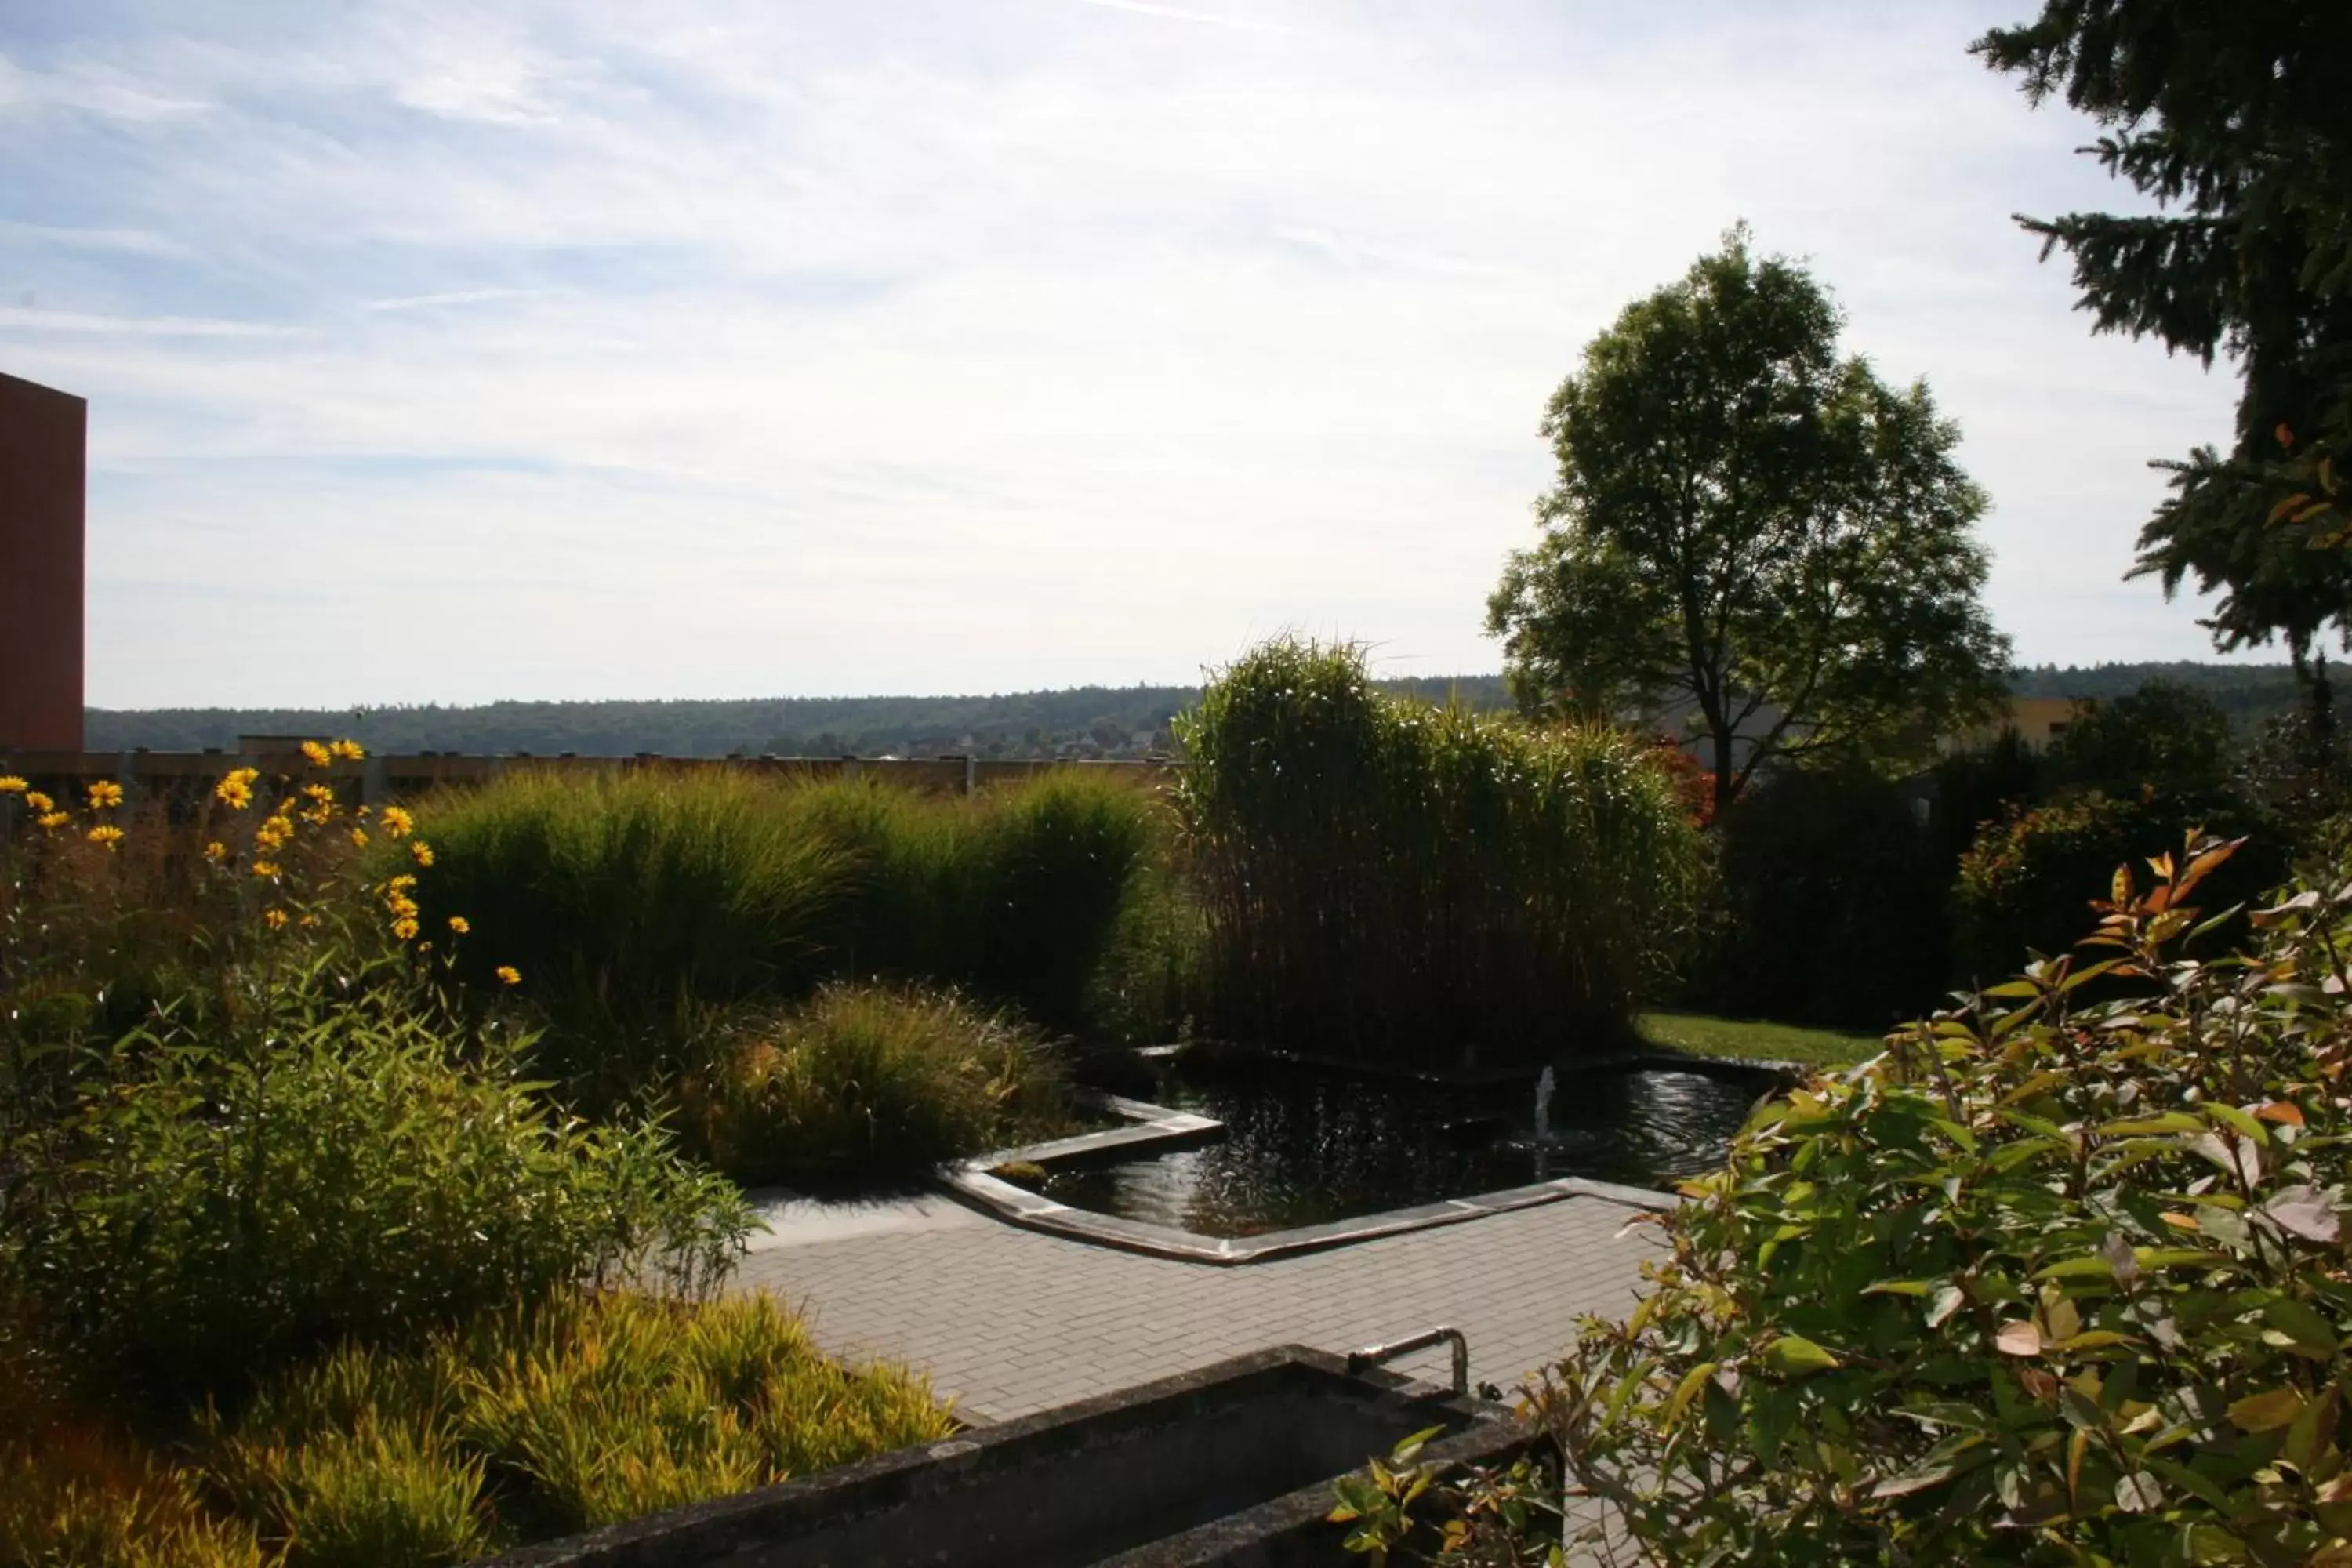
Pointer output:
x,y
1304,1148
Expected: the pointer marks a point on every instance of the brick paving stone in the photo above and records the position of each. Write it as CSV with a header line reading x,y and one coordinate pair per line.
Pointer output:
x,y
1009,1321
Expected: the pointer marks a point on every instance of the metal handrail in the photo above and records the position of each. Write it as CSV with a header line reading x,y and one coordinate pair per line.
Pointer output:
x,y
1375,1355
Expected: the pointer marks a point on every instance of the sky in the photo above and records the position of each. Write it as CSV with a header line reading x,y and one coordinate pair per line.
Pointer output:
x,y
461,349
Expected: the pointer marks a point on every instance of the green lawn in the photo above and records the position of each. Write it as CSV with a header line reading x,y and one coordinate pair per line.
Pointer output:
x,y
1707,1036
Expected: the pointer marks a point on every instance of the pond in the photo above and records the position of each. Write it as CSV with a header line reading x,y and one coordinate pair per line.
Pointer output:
x,y
1303,1146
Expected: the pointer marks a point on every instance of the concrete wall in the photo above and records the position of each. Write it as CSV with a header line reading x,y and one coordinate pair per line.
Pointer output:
x,y
43,450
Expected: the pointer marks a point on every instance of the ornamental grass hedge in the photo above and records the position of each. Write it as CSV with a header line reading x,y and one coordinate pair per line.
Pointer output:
x,y
1393,882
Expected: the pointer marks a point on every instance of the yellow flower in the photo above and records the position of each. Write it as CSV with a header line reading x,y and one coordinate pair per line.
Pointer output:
x,y
422,850
403,928
35,801
217,852
54,820
458,926
273,919
317,753
401,881
265,868
108,836
319,791
11,785
349,750
359,837
105,792
236,791
397,822
273,833
508,974
308,921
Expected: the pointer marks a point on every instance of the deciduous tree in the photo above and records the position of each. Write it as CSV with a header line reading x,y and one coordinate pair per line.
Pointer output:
x,y
1754,531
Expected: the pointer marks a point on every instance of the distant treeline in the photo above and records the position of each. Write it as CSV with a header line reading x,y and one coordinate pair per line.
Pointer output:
x,y
1086,720
2249,694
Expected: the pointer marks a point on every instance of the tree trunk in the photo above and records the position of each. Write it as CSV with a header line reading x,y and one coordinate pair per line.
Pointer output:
x,y
1725,772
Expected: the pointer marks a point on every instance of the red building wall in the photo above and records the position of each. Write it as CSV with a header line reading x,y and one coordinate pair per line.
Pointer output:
x,y
44,441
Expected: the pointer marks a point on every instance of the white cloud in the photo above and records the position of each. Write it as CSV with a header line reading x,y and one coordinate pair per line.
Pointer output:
x,y
133,241
922,345
1179,13
33,318
453,297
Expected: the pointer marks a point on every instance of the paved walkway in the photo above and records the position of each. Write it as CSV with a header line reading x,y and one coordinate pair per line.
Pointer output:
x,y
1008,1322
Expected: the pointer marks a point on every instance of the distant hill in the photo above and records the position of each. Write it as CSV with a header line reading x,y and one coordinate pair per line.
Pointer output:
x,y
1085,720
2252,693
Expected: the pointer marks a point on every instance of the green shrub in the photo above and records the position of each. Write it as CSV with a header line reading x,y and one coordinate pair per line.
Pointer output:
x,y
2167,740
866,1081
235,1191
1387,880
2045,1283
2028,882
1835,904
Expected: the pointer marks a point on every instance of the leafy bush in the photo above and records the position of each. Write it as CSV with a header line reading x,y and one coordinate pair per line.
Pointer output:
x,y
2297,774
2045,1282
2024,886
2170,740
231,1193
306,1145
1835,899
870,1081
1387,880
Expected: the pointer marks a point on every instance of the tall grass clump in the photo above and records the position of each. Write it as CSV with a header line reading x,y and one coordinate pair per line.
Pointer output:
x,y
865,1081
643,902
588,1409
629,897
1394,881
1017,895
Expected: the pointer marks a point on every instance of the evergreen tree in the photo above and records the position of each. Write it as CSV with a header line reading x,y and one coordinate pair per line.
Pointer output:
x,y
2236,117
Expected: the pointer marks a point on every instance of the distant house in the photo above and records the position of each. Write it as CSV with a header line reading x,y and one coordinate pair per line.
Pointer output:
x,y
2038,721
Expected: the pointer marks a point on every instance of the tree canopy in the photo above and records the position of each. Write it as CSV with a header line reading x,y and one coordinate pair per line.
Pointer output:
x,y
1754,532
2235,118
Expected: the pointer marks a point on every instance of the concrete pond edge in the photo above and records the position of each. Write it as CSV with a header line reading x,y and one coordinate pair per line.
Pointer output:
x,y
1150,1127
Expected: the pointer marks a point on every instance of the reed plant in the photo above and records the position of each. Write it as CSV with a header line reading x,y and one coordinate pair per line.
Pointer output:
x,y
1402,882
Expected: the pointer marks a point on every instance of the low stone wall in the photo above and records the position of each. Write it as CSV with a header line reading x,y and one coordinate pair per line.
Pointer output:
x,y
1232,1464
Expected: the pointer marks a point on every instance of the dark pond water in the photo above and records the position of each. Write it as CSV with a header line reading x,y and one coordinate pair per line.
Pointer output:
x,y
1303,1147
